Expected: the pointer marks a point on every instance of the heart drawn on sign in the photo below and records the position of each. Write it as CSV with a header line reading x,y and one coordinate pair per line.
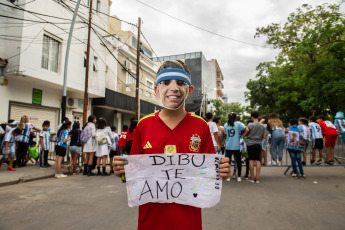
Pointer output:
x,y
195,194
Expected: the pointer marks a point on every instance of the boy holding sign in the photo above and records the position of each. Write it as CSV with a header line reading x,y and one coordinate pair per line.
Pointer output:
x,y
172,130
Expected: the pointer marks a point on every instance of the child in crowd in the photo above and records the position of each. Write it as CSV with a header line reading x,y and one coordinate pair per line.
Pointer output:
x,y
302,125
122,141
254,132
45,144
103,140
339,123
61,148
8,147
114,141
263,158
33,153
295,144
90,145
244,150
75,146
330,133
317,140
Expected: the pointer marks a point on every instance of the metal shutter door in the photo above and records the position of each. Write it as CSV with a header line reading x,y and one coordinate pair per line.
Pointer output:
x,y
36,115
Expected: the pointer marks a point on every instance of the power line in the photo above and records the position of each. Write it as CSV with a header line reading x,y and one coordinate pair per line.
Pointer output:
x,y
208,31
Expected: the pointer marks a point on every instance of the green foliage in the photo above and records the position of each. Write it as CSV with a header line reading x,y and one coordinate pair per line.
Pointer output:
x,y
308,75
222,110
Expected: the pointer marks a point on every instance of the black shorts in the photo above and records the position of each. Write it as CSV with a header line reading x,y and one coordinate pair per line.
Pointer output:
x,y
254,152
60,151
112,153
318,143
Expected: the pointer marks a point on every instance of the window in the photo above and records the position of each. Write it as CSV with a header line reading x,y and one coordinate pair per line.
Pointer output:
x,y
50,53
98,6
130,79
95,64
149,87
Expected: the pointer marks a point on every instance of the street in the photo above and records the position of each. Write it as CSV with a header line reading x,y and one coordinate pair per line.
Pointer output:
x,y
278,202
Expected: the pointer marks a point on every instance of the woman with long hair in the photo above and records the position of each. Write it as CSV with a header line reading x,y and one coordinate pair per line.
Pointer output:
x,y
276,128
23,139
75,145
130,136
90,146
61,147
232,130
264,122
102,149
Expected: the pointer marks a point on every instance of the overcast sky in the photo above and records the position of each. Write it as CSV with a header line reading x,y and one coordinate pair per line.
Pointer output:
x,y
231,18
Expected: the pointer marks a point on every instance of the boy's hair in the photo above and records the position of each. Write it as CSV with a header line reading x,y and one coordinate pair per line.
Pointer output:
x,y
293,121
124,127
249,121
113,128
254,114
312,118
321,117
46,123
209,116
33,143
17,131
10,121
303,120
216,119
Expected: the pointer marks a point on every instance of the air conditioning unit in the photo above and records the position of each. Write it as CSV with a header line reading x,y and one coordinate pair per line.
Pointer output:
x,y
127,64
71,103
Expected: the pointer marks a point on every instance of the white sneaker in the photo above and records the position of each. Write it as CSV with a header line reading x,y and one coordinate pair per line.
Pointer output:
x,y
60,175
228,179
239,179
279,163
56,175
272,162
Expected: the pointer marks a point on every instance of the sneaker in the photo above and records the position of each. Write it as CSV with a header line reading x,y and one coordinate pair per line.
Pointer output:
x,y
43,167
251,180
239,179
48,165
228,179
294,175
11,169
327,163
331,162
257,181
312,162
272,162
303,163
56,175
62,176
302,177
319,162
279,163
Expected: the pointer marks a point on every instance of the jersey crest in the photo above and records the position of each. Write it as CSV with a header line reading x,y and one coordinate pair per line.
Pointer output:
x,y
194,144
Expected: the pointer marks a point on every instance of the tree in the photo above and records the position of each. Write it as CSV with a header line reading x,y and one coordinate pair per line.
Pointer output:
x,y
307,76
222,110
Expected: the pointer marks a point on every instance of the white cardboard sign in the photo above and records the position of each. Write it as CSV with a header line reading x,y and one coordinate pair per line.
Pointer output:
x,y
190,179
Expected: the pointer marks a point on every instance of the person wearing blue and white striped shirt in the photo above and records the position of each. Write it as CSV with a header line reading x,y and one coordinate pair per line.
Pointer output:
x,y
114,140
61,148
317,139
8,147
339,123
305,131
23,139
44,144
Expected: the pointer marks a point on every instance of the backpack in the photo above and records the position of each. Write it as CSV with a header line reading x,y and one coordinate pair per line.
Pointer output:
x,y
101,138
85,136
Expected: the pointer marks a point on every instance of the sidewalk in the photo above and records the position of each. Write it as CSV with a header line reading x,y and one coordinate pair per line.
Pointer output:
x,y
29,173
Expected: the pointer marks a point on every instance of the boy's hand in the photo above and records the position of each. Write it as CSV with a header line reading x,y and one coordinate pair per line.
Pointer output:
x,y
224,168
119,165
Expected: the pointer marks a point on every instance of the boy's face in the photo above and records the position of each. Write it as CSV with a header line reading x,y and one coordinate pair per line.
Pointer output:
x,y
300,122
45,127
173,93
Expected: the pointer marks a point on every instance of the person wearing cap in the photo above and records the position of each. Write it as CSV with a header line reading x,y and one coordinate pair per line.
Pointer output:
x,y
11,125
171,130
339,123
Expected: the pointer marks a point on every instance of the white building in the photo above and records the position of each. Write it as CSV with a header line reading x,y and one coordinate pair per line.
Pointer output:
x,y
32,50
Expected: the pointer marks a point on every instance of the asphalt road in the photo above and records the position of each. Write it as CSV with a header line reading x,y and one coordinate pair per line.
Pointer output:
x,y
278,202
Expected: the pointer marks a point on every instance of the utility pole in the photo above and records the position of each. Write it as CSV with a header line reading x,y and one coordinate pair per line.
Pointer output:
x,y
64,91
86,91
137,99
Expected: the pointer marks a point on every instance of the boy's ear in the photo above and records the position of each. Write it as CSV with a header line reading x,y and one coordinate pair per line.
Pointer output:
x,y
191,89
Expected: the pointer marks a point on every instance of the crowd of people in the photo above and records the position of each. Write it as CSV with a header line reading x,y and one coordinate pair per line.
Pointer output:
x,y
248,143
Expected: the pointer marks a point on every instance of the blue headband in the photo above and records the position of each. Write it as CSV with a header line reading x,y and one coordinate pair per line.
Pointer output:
x,y
173,74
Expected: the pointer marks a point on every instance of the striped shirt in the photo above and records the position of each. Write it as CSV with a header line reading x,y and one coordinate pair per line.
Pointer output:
x,y
305,131
10,138
316,132
114,141
63,135
46,140
24,136
340,123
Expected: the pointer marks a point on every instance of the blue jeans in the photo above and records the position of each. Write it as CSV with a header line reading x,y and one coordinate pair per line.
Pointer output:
x,y
278,138
296,156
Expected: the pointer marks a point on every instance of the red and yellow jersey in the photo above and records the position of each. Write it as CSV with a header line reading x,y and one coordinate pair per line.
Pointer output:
x,y
122,140
153,136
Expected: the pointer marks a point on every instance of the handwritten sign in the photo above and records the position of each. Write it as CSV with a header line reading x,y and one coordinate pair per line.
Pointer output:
x,y
190,179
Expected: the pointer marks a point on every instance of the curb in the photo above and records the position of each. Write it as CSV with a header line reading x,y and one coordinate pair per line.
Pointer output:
x,y
9,183
33,178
